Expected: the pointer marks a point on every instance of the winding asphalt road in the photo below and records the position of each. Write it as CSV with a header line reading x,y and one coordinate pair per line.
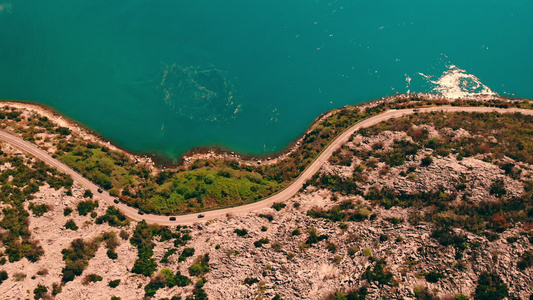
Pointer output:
x,y
279,197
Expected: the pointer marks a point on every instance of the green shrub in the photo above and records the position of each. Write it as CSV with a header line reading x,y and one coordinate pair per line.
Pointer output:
x,y
67,211
201,266
383,238
394,220
93,278
87,194
490,287
359,294
114,283
187,252
170,252
332,247
56,289
266,216
113,217
313,237
250,280
241,232
433,277
497,188
526,260
87,206
261,242
40,292
39,210
426,161
278,206
71,225
378,274
3,276
112,254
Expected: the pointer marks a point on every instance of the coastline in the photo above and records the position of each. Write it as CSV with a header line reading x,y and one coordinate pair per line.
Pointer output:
x,y
160,162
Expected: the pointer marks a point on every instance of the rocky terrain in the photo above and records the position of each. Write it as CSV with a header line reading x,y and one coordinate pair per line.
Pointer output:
x,y
400,212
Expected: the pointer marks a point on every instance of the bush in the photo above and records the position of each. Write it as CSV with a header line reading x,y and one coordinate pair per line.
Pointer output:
x,y
3,276
56,289
383,238
378,274
187,252
490,287
114,283
261,242
201,266
67,211
331,247
423,293
266,216
112,254
113,217
76,257
92,278
241,232
71,225
278,206
40,292
250,280
87,206
426,161
359,294
526,260
433,277
64,131
497,188
87,194
313,237
39,210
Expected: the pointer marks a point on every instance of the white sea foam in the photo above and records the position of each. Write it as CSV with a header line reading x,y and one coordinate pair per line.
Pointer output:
x,y
457,83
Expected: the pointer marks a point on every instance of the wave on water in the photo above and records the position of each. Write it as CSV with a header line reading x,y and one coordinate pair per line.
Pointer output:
x,y
202,94
457,83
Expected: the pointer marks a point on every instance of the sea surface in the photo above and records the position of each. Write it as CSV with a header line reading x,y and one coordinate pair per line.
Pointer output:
x,y
164,76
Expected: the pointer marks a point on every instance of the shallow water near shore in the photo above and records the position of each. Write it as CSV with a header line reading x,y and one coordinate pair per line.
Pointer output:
x,y
166,76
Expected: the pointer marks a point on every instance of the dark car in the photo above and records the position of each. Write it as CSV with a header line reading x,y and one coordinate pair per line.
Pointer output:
x,y
200,216
116,201
100,191
172,218
140,213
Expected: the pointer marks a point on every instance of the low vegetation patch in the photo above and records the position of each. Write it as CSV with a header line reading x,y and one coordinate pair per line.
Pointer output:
x,y
201,266
142,240
18,184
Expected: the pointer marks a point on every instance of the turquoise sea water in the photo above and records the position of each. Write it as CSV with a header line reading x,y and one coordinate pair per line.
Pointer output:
x,y
165,76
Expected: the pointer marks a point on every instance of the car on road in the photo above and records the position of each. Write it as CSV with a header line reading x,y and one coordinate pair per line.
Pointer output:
x,y
200,216
415,110
116,201
172,218
140,212
100,191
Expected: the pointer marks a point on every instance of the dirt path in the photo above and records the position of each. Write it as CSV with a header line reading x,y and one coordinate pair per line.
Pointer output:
x,y
279,197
